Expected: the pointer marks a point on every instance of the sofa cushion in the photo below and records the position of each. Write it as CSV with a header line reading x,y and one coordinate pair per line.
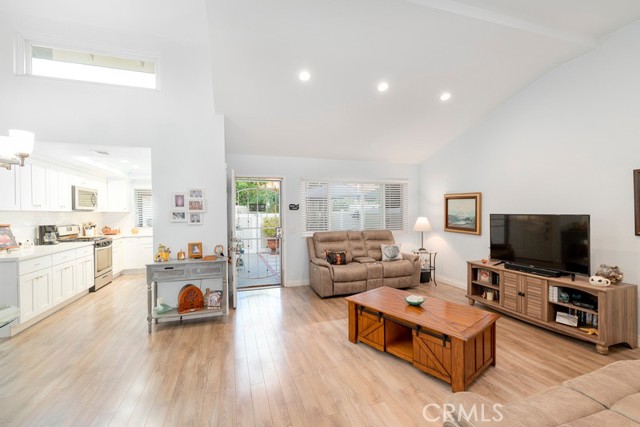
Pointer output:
x,y
629,407
609,384
390,253
337,258
349,273
356,244
374,238
397,268
349,287
548,408
330,241
602,419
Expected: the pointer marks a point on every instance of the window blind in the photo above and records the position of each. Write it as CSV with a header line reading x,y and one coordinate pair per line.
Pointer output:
x,y
144,207
329,206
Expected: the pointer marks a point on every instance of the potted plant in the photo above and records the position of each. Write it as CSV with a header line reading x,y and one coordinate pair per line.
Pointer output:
x,y
269,225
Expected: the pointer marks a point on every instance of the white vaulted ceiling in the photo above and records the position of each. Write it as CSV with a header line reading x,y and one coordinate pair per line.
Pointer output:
x,y
482,51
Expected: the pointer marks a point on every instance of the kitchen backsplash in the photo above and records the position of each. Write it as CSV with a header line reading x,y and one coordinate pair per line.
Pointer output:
x,y
24,224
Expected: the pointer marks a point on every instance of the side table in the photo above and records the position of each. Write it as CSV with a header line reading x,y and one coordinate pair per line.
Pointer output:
x,y
427,265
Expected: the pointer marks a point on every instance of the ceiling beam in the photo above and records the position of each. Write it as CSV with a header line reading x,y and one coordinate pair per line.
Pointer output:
x,y
454,7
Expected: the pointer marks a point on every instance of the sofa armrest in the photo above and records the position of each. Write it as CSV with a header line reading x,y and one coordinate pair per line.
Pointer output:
x,y
320,262
409,257
363,259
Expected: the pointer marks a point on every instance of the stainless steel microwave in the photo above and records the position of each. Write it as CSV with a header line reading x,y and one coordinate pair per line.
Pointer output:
x,y
84,199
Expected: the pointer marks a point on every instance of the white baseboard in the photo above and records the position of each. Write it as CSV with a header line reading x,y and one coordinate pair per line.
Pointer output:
x,y
452,282
295,283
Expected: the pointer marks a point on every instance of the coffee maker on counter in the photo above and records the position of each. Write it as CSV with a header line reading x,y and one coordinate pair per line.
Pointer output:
x,y
47,235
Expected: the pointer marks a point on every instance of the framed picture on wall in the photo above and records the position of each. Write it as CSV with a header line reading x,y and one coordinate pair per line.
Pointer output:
x,y
196,193
195,205
178,216
636,199
462,212
178,200
195,218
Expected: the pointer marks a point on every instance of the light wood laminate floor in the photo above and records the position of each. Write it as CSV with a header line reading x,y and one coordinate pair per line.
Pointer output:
x,y
281,359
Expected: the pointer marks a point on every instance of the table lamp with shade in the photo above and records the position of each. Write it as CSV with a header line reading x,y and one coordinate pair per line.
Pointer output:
x,y
422,224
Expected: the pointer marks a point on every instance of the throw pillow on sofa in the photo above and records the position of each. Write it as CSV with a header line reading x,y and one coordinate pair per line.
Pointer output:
x,y
390,252
336,258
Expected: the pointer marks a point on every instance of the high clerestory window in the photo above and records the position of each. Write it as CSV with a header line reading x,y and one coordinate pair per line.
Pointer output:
x,y
49,61
332,206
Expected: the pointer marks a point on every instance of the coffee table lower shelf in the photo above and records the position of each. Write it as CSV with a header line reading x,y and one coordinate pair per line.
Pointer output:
x,y
453,360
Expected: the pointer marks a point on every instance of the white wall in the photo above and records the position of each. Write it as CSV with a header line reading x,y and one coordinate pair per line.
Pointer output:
x,y
294,170
566,144
177,121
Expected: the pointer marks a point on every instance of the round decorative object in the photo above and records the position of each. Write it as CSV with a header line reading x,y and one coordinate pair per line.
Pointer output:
x,y
190,298
415,300
599,281
612,273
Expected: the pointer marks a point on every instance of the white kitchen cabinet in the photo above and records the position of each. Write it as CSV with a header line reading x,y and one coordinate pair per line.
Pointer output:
x,y
33,188
118,256
146,250
59,191
10,190
63,280
35,293
138,252
103,195
118,196
84,273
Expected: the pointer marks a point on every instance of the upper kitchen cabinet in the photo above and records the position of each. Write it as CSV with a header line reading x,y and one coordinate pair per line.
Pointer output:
x,y
33,188
10,189
118,196
59,191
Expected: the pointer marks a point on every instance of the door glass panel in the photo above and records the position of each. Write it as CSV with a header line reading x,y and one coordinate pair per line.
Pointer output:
x,y
259,232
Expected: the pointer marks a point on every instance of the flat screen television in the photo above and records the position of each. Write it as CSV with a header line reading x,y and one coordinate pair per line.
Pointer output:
x,y
555,242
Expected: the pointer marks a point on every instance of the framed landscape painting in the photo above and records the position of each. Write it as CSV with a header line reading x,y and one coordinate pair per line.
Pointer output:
x,y
462,212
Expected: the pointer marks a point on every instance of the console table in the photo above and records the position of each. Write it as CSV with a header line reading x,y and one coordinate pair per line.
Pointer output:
x,y
195,272
609,318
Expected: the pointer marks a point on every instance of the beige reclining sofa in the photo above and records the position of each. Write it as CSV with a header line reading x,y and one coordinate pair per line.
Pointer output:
x,y
606,397
364,269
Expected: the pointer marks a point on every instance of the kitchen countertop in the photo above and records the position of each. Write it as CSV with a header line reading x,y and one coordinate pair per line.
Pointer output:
x,y
38,251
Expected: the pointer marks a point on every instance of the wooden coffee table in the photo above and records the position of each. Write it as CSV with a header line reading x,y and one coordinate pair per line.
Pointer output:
x,y
453,342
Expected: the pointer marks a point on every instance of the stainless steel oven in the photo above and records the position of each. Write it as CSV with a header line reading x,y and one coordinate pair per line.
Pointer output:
x,y
103,262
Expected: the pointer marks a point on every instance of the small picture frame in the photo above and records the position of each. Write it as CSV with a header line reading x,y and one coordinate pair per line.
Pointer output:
x,y
462,212
484,276
195,218
214,301
196,193
7,240
195,205
178,201
179,216
195,250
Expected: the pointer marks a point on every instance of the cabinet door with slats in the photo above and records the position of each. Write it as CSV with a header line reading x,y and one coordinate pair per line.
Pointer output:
x,y
533,291
509,292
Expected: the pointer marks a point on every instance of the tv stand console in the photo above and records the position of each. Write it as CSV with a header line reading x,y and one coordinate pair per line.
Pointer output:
x,y
557,303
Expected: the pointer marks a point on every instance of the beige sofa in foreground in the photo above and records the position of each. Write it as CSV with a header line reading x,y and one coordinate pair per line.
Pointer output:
x,y
364,270
609,396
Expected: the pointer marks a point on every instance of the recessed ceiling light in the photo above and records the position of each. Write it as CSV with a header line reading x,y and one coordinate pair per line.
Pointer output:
x,y
445,96
304,76
102,153
383,86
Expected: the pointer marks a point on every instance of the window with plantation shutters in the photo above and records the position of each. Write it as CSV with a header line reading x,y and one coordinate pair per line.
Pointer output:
x,y
332,206
143,207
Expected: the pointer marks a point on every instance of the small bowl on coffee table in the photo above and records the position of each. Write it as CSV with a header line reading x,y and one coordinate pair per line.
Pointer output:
x,y
415,300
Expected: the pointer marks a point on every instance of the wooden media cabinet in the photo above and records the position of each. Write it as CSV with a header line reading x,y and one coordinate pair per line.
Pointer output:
x,y
611,310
